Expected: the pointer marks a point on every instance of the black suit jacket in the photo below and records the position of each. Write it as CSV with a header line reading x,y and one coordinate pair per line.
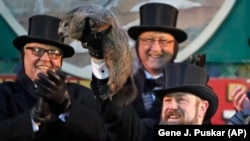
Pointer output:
x,y
151,118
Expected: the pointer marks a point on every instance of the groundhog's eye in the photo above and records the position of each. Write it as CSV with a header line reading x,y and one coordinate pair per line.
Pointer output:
x,y
66,24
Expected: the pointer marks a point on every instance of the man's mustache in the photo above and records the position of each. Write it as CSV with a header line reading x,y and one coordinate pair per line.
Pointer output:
x,y
173,112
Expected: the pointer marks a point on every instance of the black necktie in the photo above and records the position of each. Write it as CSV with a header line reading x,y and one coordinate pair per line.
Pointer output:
x,y
150,84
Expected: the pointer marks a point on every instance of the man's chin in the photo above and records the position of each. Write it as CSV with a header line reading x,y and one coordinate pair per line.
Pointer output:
x,y
171,122
174,123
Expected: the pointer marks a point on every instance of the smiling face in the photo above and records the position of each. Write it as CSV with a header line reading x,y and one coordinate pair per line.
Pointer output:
x,y
156,49
34,64
183,109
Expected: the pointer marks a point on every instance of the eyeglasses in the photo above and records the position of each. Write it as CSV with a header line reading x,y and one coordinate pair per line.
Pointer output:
x,y
53,53
150,41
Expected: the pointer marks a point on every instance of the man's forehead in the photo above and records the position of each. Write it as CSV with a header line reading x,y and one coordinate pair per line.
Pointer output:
x,y
45,46
157,33
177,94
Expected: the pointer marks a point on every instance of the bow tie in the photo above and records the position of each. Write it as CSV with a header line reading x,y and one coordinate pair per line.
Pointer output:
x,y
150,84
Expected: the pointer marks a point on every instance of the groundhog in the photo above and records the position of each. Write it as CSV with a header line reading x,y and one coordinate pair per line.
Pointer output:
x,y
90,22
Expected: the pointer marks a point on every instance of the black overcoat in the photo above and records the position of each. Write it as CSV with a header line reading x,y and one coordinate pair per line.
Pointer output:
x,y
85,121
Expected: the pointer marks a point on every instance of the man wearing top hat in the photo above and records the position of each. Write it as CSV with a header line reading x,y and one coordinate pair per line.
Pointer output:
x,y
156,42
186,98
40,105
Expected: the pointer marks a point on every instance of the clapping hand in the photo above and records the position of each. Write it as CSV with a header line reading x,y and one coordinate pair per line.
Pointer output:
x,y
239,98
41,112
53,89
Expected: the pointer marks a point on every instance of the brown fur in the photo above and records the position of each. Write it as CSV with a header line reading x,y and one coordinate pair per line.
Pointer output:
x,y
97,21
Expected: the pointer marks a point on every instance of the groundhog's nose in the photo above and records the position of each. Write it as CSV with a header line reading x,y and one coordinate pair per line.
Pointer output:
x,y
60,33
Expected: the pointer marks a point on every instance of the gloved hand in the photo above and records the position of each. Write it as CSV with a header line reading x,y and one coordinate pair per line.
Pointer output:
x,y
93,41
240,118
95,48
41,112
54,90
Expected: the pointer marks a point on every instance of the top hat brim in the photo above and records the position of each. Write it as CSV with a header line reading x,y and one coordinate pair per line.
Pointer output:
x,y
179,34
21,41
201,91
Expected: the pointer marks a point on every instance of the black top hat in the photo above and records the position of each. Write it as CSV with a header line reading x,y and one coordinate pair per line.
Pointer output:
x,y
44,29
158,17
185,77
248,42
